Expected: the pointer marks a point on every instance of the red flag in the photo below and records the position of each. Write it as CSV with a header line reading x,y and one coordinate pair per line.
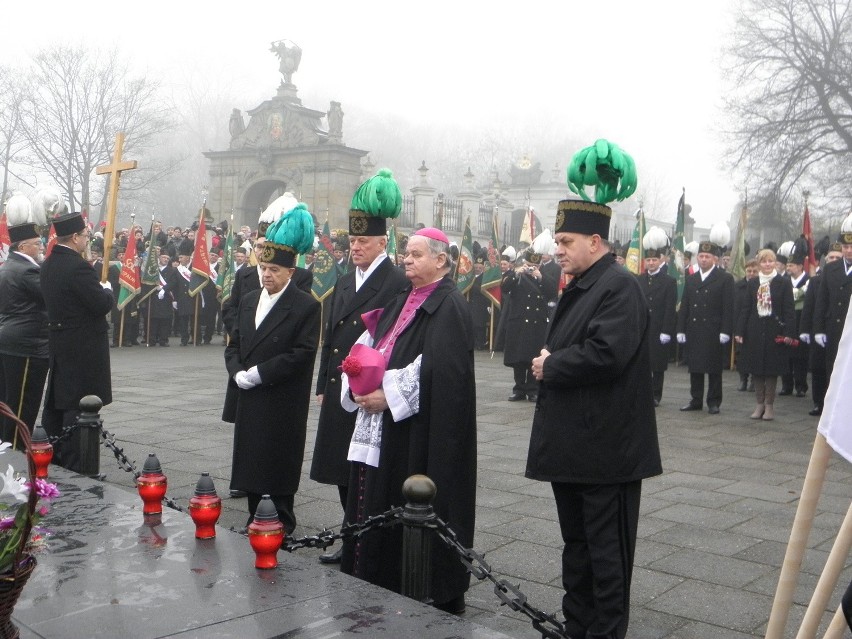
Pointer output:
x,y
130,280
200,259
51,241
810,259
5,240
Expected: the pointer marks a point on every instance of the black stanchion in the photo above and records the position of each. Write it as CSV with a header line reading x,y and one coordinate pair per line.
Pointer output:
x,y
89,424
417,515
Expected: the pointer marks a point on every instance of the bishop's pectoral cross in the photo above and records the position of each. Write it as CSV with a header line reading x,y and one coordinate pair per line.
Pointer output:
x,y
114,171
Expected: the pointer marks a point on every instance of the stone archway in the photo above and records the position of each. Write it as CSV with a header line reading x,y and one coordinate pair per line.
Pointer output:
x,y
257,196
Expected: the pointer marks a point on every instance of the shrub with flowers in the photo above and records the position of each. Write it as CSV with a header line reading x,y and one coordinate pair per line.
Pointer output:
x,y
20,513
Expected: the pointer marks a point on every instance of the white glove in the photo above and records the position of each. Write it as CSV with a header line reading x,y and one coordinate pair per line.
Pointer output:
x,y
161,294
174,305
681,338
253,376
107,285
724,339
665,339
820,339
241,378
805,337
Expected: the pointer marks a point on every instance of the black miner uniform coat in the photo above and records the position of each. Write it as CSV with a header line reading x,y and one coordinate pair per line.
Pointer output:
x,y
706,310
816,356
77,307
832,302
439,441
247,280
525,317
759,354
661,294
344,326
271,418
594,421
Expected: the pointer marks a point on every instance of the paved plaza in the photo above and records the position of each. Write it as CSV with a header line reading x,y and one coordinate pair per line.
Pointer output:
x,y
712,533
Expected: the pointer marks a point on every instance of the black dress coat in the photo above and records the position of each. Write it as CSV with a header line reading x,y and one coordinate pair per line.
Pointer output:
x,y
706,310
760,355
479,311
816,353
594,420
438,441
800,291
525,317
661,294
23,316
270,420
77,307
832,303
247,279
162,308
343,327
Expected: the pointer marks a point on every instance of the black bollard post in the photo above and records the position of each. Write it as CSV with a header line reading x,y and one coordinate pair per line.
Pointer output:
x,y
419,492
89,424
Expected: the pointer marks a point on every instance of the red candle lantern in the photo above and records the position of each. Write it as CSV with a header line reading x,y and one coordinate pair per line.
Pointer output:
x,y
42,451
266,534
205,507
152,484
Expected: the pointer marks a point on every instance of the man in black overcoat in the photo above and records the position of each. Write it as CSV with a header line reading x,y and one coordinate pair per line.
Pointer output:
x,y
594,431
704,323
832,302
160,303
799,355
77,305
660,292
479,304
371,284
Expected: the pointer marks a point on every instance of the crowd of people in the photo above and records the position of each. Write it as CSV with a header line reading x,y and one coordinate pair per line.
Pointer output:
x,y
396,378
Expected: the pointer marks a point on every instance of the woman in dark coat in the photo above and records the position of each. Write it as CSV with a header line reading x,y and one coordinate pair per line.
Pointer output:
x,y
436,438
766,327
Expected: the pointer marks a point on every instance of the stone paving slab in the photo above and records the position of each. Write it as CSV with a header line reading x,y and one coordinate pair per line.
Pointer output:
x,y
728,493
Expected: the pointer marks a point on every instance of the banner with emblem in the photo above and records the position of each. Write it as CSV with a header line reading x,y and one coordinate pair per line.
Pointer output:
x,y
200,260
228,270
635,260
678,245
151,268
464,274
129,279
324,269
738,256
492,276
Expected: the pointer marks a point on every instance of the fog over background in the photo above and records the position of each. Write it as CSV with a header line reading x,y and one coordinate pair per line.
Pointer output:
x,y
548,78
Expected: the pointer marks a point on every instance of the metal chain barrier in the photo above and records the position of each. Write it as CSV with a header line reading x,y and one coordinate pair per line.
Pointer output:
x,y
327,537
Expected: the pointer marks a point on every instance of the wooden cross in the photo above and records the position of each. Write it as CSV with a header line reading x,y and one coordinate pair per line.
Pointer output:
x,y
114,171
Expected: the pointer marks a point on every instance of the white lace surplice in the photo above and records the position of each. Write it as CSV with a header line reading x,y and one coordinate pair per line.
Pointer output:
x,y
402,392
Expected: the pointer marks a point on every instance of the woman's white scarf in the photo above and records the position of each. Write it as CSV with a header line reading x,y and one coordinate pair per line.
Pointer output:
x,y
764,297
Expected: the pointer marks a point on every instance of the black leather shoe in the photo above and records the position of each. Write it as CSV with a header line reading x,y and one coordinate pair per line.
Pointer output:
x,y
784,392
815,412
236,494
331,557
691,406
517,397
532,397
713,410
800,393
453,606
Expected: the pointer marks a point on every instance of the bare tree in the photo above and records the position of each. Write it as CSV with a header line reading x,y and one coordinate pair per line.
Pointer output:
x,y
791,65
79,100
12,89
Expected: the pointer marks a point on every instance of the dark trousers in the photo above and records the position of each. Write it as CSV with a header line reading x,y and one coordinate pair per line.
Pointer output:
x,y
657,380
525,383
184,323
66,453
160,330
284,506
598,524
21,386
819,381
714,388
799,372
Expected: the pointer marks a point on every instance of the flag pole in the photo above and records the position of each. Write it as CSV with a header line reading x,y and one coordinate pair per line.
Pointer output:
x,y
491,329
21,401
121,329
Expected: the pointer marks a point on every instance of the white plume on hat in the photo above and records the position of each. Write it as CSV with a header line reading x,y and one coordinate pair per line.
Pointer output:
x,y
720,234
47,203
19,210
278,207
846,226
655,238
510,253
691,248
786,249
543,242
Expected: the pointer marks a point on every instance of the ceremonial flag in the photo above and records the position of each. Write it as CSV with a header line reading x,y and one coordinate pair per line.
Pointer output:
x,y
834,424
200,259
678,246
528,228
51,242
129,279
5,240
325,268
635,260
151,269
811,263
392,250
227,271
464,274
738,256
492,276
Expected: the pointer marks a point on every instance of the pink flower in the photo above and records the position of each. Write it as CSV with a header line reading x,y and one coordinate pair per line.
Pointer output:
x,y
46,490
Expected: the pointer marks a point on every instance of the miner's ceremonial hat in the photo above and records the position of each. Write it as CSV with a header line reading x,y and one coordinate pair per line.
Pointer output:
x,y
291,235
376,200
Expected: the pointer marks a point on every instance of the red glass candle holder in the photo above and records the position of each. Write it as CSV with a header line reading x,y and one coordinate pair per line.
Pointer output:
x,y
266,534
42,451
152,484
205,507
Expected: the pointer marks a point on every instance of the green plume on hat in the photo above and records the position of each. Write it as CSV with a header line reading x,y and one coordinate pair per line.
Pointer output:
x,y
606,167
379,196
294,229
